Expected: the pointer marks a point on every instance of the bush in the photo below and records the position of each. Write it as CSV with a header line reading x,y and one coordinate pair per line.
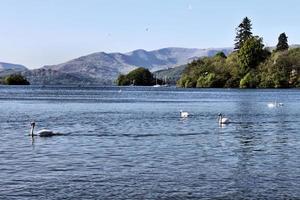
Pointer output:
x,y
249,81
210,80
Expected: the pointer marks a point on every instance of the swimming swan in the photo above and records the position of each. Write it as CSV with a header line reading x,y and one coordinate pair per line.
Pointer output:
x,y
275,104
184,114
223,120
43,132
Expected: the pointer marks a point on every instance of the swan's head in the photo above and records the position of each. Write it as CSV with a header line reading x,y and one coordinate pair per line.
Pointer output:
x,y
181,111
32,124
220,115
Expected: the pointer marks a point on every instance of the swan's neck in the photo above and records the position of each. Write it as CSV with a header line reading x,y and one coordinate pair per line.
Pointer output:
x,y
220,119
31,131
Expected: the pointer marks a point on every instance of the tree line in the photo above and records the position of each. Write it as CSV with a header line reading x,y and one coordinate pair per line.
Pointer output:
x,y
250,65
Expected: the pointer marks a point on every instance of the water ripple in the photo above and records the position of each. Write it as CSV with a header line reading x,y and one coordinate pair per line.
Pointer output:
x,y
134,145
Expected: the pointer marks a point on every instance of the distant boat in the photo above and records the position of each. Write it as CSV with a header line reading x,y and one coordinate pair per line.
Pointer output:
x,y
156,85
165,83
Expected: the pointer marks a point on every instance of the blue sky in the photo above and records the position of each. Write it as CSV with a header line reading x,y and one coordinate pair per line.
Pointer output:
x,y
42,32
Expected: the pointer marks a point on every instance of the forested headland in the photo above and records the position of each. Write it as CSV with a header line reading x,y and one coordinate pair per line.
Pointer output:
x,y
250,65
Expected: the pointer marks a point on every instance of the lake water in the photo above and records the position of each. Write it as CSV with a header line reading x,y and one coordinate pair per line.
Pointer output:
x,y
130,143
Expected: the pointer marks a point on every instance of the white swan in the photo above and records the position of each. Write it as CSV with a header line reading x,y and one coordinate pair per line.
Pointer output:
x,y
271,105
223,120
184,114
43,132
275,104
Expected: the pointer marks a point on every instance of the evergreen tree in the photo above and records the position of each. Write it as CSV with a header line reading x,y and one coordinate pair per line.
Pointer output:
x,y
282,43
251,54
243,32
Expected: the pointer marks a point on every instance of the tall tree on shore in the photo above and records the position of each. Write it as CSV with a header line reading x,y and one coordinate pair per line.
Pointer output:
x,y
282,43
251,54
243,32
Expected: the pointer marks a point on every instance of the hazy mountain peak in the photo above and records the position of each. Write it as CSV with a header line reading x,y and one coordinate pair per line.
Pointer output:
x,y
10,66
102,66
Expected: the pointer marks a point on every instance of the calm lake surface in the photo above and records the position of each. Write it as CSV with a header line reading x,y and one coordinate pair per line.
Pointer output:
x,y
130,143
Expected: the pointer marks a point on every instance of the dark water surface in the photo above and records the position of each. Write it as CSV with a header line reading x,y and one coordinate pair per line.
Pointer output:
x,y
131,144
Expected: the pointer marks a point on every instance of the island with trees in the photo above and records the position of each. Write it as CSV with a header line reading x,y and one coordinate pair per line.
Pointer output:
x,y
14,79
250,65
138,77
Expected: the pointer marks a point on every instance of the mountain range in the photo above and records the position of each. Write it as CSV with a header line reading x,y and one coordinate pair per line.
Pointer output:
x,y
104,68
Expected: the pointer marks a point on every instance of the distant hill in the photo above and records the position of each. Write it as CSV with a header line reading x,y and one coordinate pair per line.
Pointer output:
x,y
52,77
104,68
9,68
171,75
